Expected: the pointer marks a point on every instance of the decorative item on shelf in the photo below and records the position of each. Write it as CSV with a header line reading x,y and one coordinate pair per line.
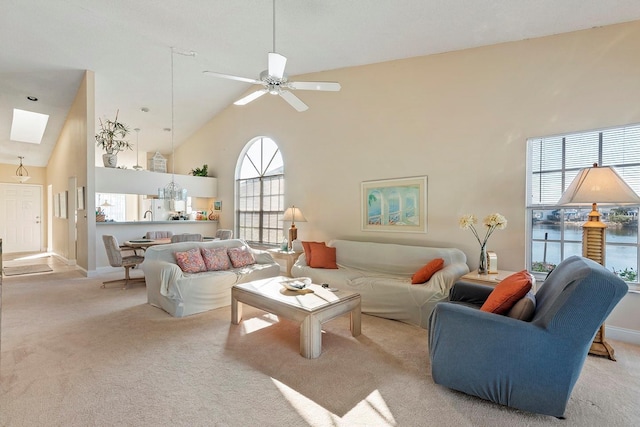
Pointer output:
x,y
157,163
293,214
203,171
110,138
492,222
592,186
137,166
100,215
22,175
214,216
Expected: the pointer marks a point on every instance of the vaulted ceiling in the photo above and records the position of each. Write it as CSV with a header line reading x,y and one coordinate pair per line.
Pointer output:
x,y
47,45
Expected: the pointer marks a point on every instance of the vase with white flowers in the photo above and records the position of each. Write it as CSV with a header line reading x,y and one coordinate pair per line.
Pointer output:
x,y
111,138
491,222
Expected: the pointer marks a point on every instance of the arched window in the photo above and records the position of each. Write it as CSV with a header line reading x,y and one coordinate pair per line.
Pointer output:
x,y
260,192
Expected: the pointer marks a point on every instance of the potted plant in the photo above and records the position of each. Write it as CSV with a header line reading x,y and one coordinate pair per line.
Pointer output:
x,y
203,171
110,138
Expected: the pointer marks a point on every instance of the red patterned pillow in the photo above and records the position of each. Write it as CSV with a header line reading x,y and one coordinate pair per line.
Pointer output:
x,y
216,258
190,261
241,257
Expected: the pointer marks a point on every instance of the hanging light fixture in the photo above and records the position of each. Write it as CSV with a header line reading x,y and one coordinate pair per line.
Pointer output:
x,y
172,190
137,166
22,175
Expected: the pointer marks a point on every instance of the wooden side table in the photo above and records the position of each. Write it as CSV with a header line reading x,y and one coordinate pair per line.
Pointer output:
x,y
492,279
289,256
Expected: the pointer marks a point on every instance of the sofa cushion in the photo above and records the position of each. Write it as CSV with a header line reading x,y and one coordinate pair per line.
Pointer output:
x,y
425,273
190,261
322,256
241,257
307,250
525,308
507,293
216,258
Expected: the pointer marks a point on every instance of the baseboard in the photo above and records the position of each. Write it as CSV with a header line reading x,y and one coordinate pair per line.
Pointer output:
x,y
622,334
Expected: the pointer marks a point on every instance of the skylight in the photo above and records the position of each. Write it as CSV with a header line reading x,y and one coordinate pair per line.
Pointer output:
x,y
28,126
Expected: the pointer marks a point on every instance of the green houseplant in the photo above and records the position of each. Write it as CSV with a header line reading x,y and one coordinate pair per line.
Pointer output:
x,y
203,171
111,138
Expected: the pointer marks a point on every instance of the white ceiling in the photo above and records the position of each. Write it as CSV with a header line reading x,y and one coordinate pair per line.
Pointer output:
x,y
46,45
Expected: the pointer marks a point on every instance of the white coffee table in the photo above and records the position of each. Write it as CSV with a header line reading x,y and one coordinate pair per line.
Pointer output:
x,y
311,309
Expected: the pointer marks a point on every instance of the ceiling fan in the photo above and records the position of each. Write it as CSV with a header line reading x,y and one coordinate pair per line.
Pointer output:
x,y
275,81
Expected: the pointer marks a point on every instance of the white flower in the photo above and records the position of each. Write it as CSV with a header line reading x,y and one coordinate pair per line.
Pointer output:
x,y
492,222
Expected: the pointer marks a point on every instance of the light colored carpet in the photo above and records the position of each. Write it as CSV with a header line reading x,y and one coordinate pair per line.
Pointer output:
x,y
77,355
26,269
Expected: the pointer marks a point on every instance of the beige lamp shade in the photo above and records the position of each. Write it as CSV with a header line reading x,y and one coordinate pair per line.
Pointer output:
x,y
599,185
294,214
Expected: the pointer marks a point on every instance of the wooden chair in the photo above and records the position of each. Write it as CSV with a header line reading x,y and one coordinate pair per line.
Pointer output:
x,y
114,253
186,237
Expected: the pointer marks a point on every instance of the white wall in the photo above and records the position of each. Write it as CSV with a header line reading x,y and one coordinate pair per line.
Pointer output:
x,y
461,118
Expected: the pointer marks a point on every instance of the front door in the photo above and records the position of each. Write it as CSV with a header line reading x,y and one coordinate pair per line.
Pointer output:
x,y
21,217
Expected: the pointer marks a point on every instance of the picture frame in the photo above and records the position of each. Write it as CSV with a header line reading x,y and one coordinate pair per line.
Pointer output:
x,y
63,204
80,199
56,205
394,205
217,206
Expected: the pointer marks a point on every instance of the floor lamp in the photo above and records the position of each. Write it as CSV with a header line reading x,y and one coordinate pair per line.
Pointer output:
x,y
592,186
293,214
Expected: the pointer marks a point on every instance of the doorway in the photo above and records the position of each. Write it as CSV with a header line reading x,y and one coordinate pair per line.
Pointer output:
x,y
21,217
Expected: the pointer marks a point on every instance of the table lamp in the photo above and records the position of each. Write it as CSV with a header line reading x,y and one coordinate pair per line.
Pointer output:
x,y
293,214
592,186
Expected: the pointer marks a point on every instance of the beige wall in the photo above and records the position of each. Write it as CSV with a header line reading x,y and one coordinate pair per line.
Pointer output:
x,y
461,118
69,159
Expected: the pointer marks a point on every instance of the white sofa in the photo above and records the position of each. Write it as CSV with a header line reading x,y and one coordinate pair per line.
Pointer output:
x,y
381,273
182,294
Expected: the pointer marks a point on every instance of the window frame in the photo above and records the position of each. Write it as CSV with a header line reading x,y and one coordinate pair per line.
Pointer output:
x,y
269,221
567,167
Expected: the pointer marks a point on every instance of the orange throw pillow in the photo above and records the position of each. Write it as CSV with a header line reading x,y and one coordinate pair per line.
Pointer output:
x,y
508,292
425,273
323,256
307,251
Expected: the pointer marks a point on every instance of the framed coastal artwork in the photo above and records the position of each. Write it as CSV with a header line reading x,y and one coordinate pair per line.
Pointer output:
x,y
397,205
217,206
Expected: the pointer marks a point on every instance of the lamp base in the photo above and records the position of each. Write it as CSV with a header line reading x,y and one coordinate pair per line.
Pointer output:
x,y
293,235
600,347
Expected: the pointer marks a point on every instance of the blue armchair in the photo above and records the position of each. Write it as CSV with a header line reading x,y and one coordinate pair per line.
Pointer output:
x,y
533,365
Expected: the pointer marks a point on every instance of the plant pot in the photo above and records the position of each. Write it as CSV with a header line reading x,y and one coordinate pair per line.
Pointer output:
x,y
110,160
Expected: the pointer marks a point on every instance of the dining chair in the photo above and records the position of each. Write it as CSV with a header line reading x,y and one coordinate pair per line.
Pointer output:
x,y
224,234
116,259
186,237
158,235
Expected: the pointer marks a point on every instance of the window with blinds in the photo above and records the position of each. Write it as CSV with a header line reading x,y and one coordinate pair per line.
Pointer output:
x,y
555,231
260,193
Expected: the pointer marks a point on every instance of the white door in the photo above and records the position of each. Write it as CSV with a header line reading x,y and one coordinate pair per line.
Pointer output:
x,y
21,217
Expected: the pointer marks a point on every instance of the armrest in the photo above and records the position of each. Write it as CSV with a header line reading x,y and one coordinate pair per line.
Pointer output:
x,y
471,293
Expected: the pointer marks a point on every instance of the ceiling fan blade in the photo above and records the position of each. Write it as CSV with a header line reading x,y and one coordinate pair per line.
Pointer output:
x,y
230,77
251,97
277,63
293,100
328,86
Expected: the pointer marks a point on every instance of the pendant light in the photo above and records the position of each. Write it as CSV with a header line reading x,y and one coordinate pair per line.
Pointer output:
x,y
137,166
22,175
172,190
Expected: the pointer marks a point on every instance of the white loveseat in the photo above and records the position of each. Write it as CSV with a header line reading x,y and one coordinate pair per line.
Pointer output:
x,y
182,294
381,273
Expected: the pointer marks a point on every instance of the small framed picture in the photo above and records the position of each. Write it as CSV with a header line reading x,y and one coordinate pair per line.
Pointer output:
x,y
80,198
217,206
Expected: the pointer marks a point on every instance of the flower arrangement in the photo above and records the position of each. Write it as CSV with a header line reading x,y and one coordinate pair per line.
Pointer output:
x,y
491,222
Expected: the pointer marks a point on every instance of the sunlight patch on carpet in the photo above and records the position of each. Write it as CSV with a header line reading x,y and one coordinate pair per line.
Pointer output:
x,y
372,410
256,323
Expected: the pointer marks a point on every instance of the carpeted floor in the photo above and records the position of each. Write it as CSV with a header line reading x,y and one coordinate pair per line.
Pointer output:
x,y
76,355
